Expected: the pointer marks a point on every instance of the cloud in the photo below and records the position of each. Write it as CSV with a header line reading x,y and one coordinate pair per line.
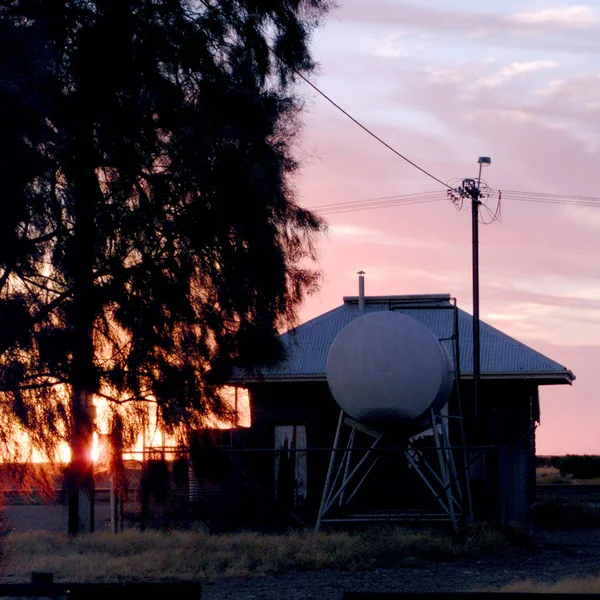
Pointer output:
x,y
553,288
446,75
584,217
574,326
517,116
577,91
408,15
570,29
364,235
570,16
390,47
516,69
544,306
429,275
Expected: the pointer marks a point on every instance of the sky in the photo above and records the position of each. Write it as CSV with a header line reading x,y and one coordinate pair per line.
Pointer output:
x,y
444,82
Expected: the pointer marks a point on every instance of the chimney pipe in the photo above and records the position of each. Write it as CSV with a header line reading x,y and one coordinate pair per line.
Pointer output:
x,y
361,290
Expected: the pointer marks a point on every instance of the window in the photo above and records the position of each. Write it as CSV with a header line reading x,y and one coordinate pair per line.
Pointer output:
x,y
290,465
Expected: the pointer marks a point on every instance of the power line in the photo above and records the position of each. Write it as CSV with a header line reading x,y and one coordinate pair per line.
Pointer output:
x,y
558,202
385,206
391,197
436,196
382,202
548,195
364,128
564,201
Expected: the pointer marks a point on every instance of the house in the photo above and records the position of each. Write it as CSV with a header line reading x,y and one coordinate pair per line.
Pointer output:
x,y
288,455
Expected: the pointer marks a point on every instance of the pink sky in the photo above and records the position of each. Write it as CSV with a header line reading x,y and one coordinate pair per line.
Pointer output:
x,y
445,83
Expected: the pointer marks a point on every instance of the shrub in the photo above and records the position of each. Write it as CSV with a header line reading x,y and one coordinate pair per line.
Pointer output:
x,y
551,475
584,466
543,461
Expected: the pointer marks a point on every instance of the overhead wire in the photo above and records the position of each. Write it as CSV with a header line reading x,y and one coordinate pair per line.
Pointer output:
x,y
560,199
367,130
549,195
385,202
375,203
433,196
384,206
336,105
494,215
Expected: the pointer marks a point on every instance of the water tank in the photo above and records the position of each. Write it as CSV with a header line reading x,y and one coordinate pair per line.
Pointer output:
x,y
385,368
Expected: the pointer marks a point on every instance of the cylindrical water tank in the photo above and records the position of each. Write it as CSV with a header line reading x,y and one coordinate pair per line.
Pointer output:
x,y
386,368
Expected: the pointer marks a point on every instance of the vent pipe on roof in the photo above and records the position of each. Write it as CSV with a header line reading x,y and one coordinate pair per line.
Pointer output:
x,y
361,290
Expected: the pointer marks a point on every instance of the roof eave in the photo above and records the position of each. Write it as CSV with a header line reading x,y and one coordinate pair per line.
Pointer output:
x,y
548,378
276,378
543,377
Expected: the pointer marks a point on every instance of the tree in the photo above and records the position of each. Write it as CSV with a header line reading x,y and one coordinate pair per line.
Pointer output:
x,y
149,242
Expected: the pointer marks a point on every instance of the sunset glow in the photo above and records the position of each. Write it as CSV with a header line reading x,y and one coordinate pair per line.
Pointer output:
x,y
152,439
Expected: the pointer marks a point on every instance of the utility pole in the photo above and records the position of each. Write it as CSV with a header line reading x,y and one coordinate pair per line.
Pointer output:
x,y
473,188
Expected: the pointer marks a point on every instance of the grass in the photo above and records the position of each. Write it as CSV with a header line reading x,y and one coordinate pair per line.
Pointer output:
x,y
567,509
571,585
192,555
557,514
548,475
557,510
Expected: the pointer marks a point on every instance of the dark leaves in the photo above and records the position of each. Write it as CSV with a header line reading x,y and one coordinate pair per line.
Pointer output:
x,y
146,152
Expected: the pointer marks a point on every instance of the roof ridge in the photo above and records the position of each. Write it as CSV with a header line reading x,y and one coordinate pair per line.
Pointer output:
x,y
412,298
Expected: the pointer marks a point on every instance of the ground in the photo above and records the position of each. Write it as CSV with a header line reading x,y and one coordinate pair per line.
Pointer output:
x,y
558,555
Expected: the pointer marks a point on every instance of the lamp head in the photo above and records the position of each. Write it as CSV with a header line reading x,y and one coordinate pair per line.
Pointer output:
x,y
484,161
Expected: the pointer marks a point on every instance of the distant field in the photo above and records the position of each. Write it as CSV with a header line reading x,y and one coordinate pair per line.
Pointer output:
x,y
548,475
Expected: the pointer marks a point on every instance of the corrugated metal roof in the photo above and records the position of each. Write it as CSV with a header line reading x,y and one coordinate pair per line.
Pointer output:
x,y
501,355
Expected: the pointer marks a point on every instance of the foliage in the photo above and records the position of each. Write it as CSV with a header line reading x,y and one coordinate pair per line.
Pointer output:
x,y
584,466
548,475
34,482
150,242
543,461
133,556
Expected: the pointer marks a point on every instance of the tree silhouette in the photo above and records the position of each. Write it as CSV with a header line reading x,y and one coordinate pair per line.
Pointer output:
x,y
149,240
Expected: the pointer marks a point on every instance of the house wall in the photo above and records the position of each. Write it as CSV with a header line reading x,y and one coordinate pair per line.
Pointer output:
x,y
503,479
293,479
503,473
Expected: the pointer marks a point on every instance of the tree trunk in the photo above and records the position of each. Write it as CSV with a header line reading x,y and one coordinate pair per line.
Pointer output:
x,y
83,373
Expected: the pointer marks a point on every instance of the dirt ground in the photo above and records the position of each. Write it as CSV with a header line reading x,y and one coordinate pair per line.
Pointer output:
x,y
556,555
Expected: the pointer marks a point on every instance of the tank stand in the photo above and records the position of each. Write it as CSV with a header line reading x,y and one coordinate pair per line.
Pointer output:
x,y
351,465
